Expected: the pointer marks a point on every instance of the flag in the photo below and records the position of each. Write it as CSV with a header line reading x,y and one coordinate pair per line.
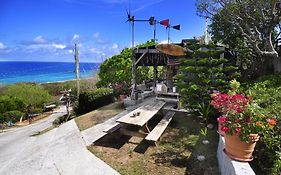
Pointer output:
x,y
165,22
177,27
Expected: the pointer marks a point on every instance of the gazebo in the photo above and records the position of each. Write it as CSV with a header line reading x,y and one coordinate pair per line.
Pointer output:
x,y
167,55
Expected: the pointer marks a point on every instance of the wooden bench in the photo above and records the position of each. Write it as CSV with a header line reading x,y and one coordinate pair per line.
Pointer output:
x,y
157,131
113,128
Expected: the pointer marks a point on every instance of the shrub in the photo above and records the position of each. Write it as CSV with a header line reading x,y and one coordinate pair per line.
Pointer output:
x,y
8,103
13,116
94,99
29,94
266,92
202,74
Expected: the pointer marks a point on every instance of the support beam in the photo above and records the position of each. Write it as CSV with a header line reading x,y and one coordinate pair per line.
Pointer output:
x,y
141,57
154,76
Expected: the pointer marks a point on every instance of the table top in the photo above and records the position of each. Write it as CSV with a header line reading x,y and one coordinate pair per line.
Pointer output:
x,y
143,114
168,93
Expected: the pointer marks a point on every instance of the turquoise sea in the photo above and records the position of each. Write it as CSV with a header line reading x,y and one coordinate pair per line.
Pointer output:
x,y
43,72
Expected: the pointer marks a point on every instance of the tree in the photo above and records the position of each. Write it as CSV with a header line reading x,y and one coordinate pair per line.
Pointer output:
x,y
250,23
28,94
118,69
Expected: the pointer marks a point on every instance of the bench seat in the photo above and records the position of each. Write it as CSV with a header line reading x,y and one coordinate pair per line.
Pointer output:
x,y
157,131
113,128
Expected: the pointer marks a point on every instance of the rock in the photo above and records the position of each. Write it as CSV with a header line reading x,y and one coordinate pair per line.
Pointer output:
x,y
210,126
201,158
205,142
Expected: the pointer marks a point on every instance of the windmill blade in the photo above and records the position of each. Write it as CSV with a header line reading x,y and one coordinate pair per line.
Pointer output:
x,y
130,17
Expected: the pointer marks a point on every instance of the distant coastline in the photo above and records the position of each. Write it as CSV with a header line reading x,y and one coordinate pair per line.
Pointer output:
x,y
43,72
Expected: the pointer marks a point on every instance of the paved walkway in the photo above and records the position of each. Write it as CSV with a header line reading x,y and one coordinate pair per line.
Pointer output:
x,y
94,133
59,151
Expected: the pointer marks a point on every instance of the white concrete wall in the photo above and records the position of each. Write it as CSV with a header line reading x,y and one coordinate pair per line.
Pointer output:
x,y
230,167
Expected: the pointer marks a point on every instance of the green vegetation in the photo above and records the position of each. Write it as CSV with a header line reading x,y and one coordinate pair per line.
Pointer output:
x,y
19,99
202,74
118,69
266,92
99,115
248,26
90,100
176,152
29,94
85,84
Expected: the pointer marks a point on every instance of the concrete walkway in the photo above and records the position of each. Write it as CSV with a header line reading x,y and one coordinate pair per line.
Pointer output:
x,y
59,151
94,133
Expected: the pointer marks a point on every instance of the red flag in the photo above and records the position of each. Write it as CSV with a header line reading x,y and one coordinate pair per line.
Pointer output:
x,y
165,22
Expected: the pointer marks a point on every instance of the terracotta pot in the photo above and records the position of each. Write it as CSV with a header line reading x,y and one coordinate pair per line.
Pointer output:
x,y
239,150
222,133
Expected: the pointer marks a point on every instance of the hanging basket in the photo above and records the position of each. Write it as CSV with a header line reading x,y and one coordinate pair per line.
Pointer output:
x,y
239,150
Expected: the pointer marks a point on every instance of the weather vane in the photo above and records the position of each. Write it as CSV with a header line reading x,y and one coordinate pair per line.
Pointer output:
x,y
152,21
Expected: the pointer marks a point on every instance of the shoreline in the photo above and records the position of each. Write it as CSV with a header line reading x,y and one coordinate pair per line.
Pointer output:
x,y
95,77
64,81
95,74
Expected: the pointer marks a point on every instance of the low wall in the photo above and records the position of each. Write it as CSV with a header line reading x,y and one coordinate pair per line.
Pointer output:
x,y
228,166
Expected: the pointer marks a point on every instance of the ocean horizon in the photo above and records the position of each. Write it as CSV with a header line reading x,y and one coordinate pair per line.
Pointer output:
x,y
43,72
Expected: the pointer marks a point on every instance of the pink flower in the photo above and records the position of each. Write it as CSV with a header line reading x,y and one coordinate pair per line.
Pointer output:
x,y
221,119
238,130
271,122
225,129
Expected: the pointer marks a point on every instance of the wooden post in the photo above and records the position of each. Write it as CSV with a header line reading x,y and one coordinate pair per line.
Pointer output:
x,y
154,77
134,67
76,57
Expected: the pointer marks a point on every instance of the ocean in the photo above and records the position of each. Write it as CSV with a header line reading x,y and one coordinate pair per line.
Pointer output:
x,y
43,72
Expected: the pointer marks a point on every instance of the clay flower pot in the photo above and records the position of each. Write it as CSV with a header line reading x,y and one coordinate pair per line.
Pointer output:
x,y
239,150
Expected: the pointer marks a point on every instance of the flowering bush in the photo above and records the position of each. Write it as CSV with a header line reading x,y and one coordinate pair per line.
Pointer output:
x,y
241,115
121,89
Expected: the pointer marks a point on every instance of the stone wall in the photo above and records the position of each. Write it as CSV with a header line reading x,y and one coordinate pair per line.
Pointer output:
x,y
228,166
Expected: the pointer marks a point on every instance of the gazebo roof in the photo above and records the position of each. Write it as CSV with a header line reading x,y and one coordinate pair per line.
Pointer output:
x,y
151,56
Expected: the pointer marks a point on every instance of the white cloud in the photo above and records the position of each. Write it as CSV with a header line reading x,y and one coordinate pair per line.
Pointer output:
x,y
115,46
96,35
58,46
75,38
147,4
164,42
2,46
39,39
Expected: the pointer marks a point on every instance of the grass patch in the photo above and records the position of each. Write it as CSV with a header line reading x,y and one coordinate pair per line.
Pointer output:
x,y
98,116
44,131
176,153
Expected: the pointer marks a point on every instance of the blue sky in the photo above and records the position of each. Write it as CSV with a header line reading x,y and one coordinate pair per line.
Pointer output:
x,y
46,30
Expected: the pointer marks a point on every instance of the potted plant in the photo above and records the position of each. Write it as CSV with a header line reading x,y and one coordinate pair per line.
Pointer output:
x,y
243,121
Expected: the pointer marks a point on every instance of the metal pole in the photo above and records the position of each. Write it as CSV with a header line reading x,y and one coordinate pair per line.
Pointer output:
x,y
77,70
154,34
168,34
133,95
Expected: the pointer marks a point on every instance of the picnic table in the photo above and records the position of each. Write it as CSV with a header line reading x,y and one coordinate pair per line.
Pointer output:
x,y
139,118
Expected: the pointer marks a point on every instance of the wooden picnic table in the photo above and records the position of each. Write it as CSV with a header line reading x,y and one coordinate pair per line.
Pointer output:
x,y
140,117
145,113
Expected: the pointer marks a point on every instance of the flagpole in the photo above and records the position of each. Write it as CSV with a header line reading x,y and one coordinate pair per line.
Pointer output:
x,y
133,95
154,34
168,34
